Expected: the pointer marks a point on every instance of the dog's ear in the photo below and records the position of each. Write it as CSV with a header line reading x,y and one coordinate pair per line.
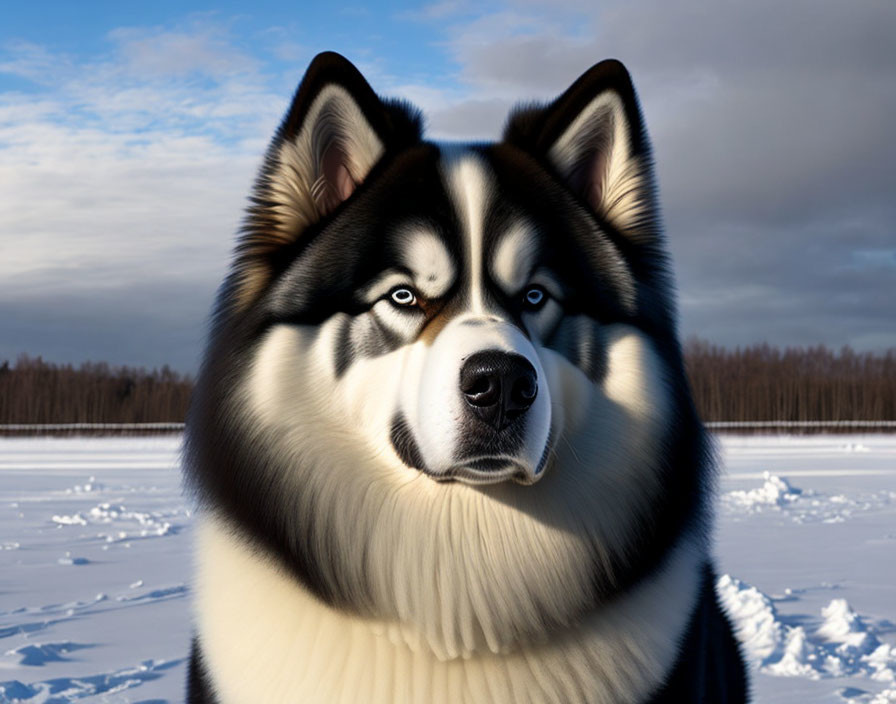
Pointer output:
x,y
593,138
335,132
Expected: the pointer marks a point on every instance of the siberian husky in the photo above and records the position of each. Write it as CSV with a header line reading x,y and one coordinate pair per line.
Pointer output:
x,y
442,439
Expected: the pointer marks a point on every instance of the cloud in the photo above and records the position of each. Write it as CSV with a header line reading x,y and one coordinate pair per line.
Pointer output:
x,y
149,323
203,49
125,172
125,176
772,136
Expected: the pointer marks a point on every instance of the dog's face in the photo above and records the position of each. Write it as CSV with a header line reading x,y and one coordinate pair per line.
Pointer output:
x,y
459,329
436,366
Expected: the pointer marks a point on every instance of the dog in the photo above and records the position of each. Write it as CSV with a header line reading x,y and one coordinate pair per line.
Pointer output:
x,y
442,441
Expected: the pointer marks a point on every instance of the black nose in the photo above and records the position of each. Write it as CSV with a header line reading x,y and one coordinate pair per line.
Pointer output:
x,y
498,386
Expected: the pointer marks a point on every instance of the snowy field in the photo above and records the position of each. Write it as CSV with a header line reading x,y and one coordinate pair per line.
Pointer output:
x,y
95,564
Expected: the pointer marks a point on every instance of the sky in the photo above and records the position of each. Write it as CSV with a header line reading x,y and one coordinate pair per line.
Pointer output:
x,y
131,133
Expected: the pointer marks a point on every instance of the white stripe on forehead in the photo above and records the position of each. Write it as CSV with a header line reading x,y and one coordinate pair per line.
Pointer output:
x,y
470,188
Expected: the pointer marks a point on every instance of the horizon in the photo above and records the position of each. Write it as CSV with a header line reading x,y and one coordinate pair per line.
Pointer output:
x,y
129,138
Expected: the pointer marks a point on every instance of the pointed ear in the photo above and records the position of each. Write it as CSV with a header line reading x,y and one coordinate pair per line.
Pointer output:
x,y
593,137
333,135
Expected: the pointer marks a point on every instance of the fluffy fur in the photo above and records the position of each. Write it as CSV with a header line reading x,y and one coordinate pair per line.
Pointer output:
x,y
442,438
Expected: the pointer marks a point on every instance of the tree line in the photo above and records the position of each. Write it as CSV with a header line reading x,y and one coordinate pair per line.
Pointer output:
x,y
35,391
761,382
755,383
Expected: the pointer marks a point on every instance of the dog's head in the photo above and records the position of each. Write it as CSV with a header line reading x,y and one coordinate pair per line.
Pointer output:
x,y
479,318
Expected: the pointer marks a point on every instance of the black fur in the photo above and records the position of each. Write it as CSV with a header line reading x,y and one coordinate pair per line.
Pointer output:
x,y
710,667
199,684
404,443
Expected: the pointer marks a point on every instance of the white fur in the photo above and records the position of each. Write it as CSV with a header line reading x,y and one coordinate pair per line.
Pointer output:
x,y
433,267
514,257
440,403
266,639
470,568
470,187
624,191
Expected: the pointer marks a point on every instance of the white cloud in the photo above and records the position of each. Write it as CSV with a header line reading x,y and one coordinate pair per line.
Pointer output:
x,y
203,49
128,167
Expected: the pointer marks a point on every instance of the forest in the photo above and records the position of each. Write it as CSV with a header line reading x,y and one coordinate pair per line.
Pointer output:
x,y
35,391
765,383
753,383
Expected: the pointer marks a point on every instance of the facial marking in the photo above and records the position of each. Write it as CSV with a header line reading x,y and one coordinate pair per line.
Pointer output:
x,y
470,190
427,257
514,257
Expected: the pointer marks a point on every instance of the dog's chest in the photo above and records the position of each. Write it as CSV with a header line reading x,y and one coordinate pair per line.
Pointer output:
x,y
264,638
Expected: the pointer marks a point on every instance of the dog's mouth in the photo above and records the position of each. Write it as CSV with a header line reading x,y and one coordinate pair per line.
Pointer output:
x,y
490,470
475,469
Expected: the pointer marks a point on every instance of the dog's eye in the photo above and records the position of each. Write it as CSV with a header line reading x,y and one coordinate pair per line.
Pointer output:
x,y
534,298
403,297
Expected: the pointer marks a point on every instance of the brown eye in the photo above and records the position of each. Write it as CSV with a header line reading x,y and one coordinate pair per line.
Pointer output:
x,y
403,297
534,298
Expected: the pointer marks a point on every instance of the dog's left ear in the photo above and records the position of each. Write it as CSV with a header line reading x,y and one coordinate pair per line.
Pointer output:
x,y
593,137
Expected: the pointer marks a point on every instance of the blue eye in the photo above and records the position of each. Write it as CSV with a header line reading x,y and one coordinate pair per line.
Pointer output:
x,y
535,297
403,297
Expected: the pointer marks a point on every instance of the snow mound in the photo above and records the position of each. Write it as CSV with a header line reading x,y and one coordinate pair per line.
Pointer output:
x,y
775,491
798,658
777,494
842,645
127,523
756,621
90,486
843,627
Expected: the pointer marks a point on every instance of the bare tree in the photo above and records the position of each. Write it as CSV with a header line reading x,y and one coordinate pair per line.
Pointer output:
x,y
795,384
35,391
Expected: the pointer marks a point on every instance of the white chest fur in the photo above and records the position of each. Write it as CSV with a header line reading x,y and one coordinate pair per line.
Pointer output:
x,y
266,639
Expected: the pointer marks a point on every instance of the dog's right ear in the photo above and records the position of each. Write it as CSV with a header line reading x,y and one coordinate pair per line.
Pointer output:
x,y
335,132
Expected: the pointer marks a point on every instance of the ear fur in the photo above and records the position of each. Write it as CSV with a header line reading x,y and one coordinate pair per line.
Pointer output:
x,y
593,137
335,132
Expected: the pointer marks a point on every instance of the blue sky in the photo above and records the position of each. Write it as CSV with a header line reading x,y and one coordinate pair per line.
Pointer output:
x,y
262,27
129,135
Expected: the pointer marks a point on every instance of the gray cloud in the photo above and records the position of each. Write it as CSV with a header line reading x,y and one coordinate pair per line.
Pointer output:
x,y
149,323
772,132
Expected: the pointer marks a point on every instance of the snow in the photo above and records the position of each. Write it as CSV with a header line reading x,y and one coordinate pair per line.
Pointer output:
x,y
95,565
805,543
773,492
94,603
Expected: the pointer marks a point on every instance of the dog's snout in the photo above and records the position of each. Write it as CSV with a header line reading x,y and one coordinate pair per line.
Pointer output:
x,y
498,386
